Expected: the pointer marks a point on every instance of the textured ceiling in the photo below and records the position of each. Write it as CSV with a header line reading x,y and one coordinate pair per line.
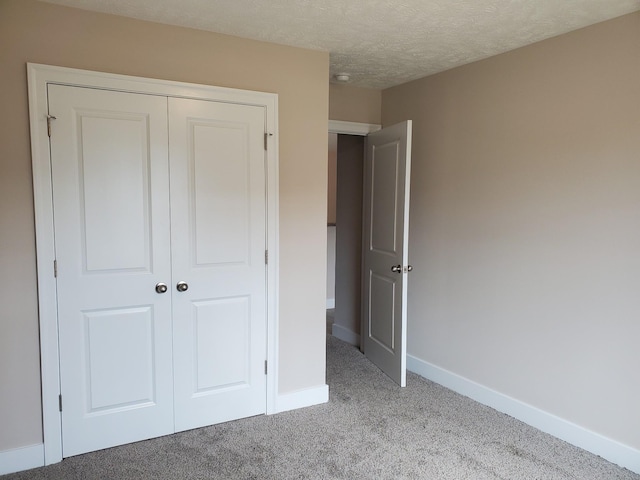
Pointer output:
x,y
380,43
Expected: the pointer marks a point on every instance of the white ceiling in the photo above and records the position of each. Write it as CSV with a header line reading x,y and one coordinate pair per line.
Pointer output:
x,y
380,43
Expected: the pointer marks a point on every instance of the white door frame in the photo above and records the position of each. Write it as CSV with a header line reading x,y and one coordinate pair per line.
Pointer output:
x,y
360,129
353,128
39,76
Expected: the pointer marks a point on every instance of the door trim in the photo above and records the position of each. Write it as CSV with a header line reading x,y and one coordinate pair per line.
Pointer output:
x,y
39,76
352,128
341,127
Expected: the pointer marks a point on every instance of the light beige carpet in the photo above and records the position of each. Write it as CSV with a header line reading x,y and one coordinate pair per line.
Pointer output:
x,y
370,429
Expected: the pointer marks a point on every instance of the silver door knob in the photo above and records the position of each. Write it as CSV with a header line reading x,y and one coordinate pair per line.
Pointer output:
x,y
396,269
182,286
161,287
408,268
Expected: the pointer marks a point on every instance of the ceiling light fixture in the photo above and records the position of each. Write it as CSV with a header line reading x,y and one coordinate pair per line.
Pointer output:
x,y
342,77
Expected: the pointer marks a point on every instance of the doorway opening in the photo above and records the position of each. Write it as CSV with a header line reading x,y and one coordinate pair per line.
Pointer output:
x,y
372,236
344,236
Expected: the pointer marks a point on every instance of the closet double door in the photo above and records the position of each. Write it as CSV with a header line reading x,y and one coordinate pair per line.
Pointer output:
x,y
159,221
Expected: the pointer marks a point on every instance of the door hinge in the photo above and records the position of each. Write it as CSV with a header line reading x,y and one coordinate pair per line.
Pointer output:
x,y
265,367
55,268
49,118
266,257
266,137
60,402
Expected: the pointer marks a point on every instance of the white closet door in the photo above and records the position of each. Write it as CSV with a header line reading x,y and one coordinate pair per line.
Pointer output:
x,y
218,251
111,207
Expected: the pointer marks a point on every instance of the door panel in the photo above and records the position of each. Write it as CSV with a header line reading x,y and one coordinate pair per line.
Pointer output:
x,y
115,190
222,344
381,318
219,195
386,235
218,241
109,165
384,198
109,389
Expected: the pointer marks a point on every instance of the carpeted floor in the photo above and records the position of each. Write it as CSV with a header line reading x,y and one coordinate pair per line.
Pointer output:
x,y
370,429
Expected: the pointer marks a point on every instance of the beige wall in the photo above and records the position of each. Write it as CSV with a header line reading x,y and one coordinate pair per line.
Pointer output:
x,y
355,104
525,224
38,32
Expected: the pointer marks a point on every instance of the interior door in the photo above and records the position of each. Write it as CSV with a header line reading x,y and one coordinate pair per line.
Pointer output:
x,y
111,203
218,211
160,233
385,248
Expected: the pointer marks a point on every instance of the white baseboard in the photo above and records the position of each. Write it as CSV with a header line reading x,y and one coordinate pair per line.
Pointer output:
x,y
302,398
331,303
345,334
607,448
23,458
